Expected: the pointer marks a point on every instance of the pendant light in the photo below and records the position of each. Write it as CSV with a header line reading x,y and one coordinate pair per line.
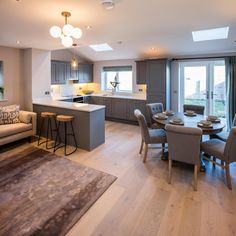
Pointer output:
x,y
74,61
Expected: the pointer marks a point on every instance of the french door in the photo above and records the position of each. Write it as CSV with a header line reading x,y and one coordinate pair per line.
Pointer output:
x,y
203,83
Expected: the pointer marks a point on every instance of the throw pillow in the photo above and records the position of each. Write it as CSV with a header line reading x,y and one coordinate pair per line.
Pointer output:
x,y
9,114
24,117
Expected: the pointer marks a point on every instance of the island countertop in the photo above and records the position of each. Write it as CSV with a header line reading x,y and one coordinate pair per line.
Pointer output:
x,y
67,105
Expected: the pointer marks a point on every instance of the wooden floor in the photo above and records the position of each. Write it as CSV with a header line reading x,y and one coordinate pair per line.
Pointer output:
x,y
141,202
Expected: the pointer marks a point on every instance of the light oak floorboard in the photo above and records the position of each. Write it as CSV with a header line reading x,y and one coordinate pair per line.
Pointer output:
x,y
141,202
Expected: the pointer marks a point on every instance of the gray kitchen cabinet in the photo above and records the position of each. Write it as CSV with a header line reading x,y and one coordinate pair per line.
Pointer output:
x,y
141,72
158,81
102,101
85,73
108,103
133,104
118,108
58,72
70,73
53,73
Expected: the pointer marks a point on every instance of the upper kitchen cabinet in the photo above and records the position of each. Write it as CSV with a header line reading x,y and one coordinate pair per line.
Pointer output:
x,y
141,72
85,73
158,81
58,72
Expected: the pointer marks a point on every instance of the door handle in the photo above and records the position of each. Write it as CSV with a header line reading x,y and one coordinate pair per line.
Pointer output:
x,y
212,94
207,94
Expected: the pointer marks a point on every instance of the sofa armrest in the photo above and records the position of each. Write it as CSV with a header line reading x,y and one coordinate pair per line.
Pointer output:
x,y
29,117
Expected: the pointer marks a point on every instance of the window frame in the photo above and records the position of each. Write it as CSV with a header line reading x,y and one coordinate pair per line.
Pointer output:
x,y
116,69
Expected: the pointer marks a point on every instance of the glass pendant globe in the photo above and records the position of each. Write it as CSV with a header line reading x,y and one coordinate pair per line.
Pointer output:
x,y
77,33
55,31
68,30
67,41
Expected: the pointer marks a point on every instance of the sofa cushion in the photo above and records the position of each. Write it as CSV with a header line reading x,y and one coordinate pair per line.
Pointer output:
x,y
25,117
11,129
9,114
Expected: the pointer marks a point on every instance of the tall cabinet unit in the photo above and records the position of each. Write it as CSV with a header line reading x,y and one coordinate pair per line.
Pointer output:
x,y
156,72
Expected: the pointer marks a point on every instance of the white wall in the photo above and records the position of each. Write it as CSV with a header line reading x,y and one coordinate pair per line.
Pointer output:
x,y
64,55
36,74
12,76
41,73
98,67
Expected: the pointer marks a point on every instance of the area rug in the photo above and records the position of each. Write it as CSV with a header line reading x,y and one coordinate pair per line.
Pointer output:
x,y
44,194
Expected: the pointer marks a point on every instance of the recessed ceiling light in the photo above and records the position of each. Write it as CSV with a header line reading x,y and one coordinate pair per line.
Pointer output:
x,y
17,42
108,4
210,34
101,47
88,27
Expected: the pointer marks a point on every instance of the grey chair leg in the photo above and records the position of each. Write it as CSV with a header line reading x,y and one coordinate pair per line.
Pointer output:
x,y
195,177
170,171
141,147
163,149
228,175
145,153
222,164
214,159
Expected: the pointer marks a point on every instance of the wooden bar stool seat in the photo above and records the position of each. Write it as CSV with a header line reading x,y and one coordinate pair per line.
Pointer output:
x,y
64,119
48,116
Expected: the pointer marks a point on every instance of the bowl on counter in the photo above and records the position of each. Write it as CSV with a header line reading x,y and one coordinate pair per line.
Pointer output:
x,y
87,92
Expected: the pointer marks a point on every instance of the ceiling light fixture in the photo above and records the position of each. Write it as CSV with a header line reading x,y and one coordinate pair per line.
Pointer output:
x,y
108,4
67,33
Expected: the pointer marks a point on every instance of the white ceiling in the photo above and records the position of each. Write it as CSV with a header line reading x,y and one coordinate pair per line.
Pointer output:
x,y
140,25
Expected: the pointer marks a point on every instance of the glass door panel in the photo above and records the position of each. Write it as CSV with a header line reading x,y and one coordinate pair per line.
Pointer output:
x,y
195,85
218,92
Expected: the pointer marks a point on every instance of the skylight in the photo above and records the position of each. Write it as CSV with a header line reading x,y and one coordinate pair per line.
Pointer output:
x,y
210,34
101,47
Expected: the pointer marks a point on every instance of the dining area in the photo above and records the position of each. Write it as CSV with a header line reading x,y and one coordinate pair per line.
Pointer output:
x,y
188,137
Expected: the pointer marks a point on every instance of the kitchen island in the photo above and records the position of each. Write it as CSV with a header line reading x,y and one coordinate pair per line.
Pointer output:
x,y
89,122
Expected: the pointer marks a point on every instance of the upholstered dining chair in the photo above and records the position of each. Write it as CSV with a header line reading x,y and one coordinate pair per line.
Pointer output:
x,y
196,108
224,134
184,146
153,109
224,151
149,136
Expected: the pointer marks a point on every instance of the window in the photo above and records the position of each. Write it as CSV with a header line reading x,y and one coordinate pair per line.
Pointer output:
x,y
120,74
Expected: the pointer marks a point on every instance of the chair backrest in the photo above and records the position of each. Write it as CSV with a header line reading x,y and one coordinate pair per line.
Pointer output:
x,y
196,108
184,143
152,109
143,125
230,147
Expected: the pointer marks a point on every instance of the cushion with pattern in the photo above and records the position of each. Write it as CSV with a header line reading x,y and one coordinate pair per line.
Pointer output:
x,y
9,114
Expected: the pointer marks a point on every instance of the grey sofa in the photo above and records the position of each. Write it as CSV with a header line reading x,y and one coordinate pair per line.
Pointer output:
x,y
26,128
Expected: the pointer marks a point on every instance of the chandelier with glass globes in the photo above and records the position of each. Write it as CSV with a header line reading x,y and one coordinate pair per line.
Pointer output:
x,y
67,32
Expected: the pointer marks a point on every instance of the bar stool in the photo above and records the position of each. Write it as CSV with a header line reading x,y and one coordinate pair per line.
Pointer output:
x,y
48,116
64,119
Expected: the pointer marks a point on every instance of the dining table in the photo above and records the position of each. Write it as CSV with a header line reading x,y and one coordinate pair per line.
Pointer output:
x,y
193,120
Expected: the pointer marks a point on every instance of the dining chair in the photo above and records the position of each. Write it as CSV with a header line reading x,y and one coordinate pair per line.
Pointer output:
x,y
184,146
149,136
224,134
196,108
153,109
224,151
